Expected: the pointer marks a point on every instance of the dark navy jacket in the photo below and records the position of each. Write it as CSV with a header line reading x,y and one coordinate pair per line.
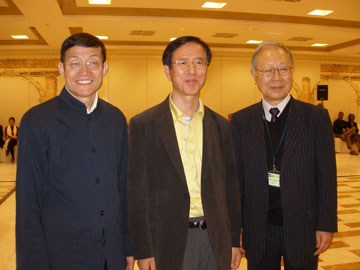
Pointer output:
x,y
70,190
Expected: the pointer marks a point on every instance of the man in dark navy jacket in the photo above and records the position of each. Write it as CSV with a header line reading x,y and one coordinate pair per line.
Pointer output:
x,y
70,193
287,170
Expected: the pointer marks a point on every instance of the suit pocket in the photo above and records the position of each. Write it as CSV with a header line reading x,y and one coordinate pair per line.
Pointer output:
x,y
312,213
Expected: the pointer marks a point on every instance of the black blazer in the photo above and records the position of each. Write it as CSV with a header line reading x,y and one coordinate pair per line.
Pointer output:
x,y
158,197
307,179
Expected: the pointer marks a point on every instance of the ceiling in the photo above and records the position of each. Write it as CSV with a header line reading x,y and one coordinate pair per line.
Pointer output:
x,y
146,26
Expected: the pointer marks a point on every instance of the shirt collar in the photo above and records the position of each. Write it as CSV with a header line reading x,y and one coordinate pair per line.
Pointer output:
x,y
182,117
281,106
93,106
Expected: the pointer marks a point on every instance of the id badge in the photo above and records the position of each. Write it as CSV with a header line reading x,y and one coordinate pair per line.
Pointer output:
x,y
274,178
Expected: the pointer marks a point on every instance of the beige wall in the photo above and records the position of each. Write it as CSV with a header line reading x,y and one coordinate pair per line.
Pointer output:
x,y
135,83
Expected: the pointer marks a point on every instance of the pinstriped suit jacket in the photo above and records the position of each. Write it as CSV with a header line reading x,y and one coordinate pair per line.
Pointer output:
x,y
308,180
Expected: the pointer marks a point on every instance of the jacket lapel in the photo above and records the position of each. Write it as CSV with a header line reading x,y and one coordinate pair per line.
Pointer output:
x,y
296,126
256,130
209,128
167,133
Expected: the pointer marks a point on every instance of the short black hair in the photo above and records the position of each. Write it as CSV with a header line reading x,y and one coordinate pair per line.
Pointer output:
x,y
12,118
177,43
83,40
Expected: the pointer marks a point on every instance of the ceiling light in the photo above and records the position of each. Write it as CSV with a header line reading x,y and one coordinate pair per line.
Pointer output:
x,y
254,41
100,2
319,44
173,38
320,12
102,37
19,36
213,5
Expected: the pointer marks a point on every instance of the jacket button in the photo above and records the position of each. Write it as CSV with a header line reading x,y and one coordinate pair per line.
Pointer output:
x,y
97,180
102,212
265,216
93,149
104,243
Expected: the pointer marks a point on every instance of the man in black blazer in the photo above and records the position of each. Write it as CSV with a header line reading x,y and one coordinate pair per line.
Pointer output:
x,y
287,171
183,192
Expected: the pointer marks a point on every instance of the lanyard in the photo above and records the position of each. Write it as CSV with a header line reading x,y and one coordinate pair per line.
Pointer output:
x,y
274,153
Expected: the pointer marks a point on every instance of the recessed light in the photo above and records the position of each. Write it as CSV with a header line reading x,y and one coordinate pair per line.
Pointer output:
x,y
213,5
173,38
19,36
319,44
102,37
100,2
320,12
254,41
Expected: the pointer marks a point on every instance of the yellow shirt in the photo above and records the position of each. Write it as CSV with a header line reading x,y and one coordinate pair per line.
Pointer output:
x,y
189,134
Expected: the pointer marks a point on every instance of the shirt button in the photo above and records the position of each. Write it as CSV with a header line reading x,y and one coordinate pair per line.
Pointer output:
x,y
102,212
97,180
93,149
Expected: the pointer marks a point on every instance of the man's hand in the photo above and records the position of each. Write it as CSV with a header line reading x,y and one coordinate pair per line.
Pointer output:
x,y
323,241
241,245
235,258
147,264
130,263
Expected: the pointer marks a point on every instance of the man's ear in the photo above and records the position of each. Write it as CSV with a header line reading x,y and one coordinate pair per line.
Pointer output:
x,y
61,69
105,68
252,72
167,72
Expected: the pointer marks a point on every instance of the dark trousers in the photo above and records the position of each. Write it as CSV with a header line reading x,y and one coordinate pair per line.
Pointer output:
x,y
11,146
274,250
199,254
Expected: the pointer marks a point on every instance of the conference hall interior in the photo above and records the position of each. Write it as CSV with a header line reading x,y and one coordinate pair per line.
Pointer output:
x,y
325,45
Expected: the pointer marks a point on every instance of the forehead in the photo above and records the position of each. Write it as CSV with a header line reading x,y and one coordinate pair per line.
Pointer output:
x,y
83,52
190,49
273,55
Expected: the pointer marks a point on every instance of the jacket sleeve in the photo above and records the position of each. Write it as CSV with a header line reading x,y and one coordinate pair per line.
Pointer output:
x,y
235,128
232,189
326,174
30,196
138,192
122,185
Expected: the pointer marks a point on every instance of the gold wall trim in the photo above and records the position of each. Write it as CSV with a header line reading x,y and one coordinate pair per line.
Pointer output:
x,y
28,63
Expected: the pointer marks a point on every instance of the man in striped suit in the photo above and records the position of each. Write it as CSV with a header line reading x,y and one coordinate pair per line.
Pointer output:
x,y
287,171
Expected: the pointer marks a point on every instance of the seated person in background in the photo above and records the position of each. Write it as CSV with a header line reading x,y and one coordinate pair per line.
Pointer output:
x,y
341,131
351,124
1,137
11,136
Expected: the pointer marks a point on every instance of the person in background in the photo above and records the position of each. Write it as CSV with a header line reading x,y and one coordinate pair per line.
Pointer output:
x,y
183,193
342,131
70,181
1,137
352,125
11,138
287,170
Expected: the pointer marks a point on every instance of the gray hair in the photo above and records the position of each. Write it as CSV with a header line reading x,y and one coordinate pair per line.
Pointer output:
x,y
269,44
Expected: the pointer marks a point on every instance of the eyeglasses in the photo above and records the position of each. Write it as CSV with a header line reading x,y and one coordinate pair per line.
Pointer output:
x,y
185,63
78,65
269,72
